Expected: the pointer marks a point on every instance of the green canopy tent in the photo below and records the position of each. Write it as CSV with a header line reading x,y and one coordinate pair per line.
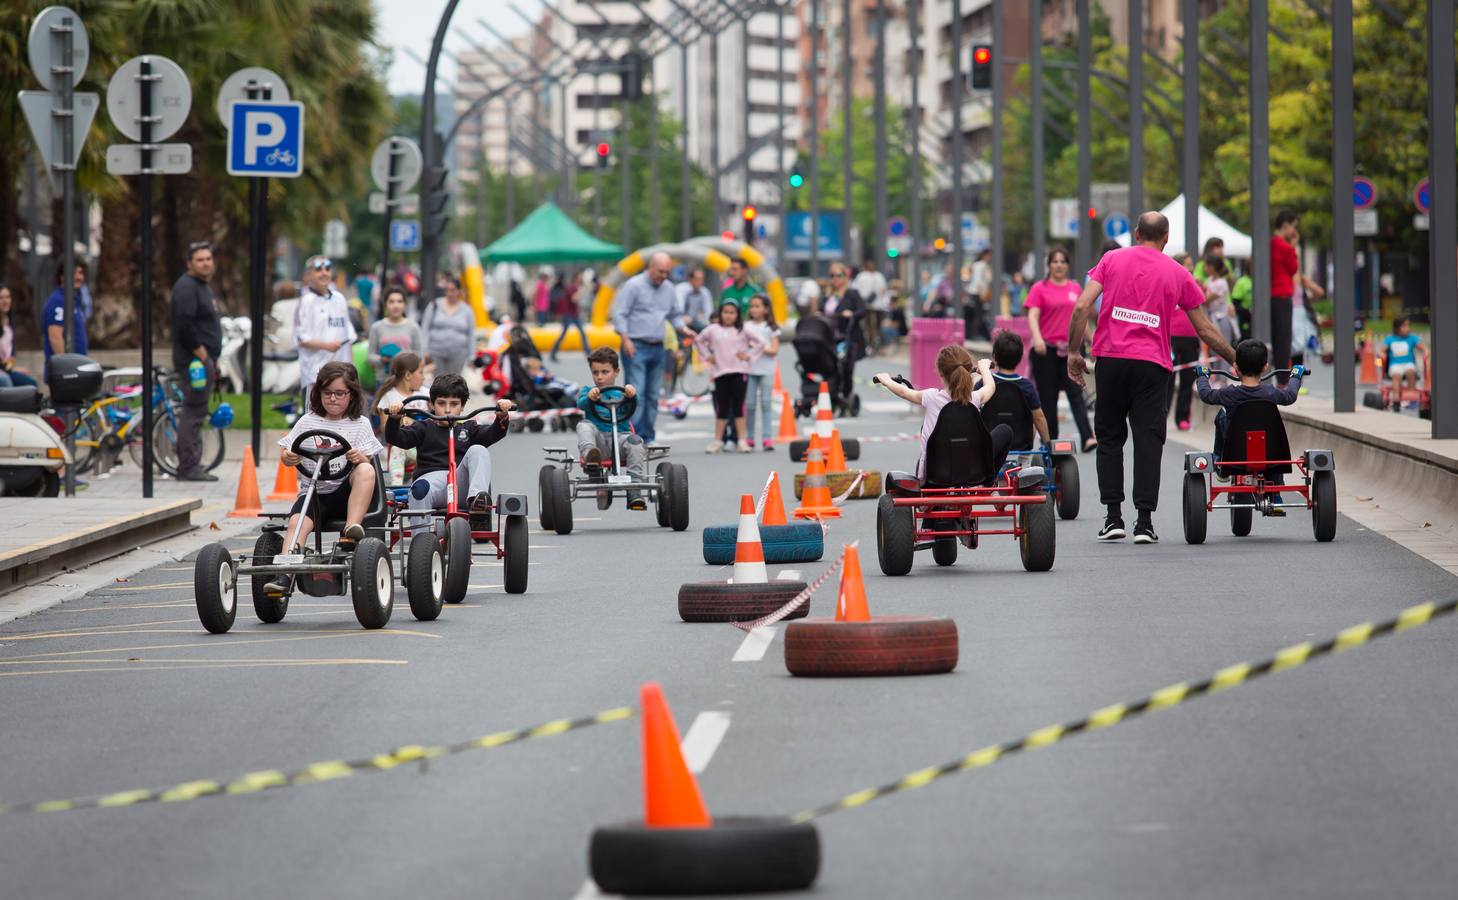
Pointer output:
x,y
549,235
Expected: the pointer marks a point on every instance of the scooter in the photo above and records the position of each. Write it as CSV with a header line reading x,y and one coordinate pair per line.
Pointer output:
x,y
280,367
32,453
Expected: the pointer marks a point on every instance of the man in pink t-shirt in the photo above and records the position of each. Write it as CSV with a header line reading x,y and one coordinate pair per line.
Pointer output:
x,y
1144,292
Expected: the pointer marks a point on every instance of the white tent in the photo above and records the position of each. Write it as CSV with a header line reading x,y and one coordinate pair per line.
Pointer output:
x,y
1237,245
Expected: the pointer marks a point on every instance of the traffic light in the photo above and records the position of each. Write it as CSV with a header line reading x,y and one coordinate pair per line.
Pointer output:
x,y
981,67
940,244
604,150
435,199
892,253
796,179
748,213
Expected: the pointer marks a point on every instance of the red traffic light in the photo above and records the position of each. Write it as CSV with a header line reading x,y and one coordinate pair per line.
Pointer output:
x,y
1093,213
727,235
982,56
749,213
603,149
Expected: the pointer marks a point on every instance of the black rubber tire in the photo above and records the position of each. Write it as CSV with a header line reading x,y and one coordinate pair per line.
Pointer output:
x,y
268,609
1065,469
371,589
217,604
1195,514
1323,506
561,493
660,498
545,506
734,856
715,601
944,551
678,507
895,536
457,552
855,405
1038,544
1372,400
535,426
425,576
799,542
888,645
1241,519
850,446
516,544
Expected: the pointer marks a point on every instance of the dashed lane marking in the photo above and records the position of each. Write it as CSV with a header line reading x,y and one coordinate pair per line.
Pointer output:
x,y
179,665
353,632
755,644
703,739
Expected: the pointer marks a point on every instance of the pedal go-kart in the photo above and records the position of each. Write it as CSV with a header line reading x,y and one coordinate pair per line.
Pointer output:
x,y
1056,459
1392,396
362,570
1256,453
667,489
961,495
436,559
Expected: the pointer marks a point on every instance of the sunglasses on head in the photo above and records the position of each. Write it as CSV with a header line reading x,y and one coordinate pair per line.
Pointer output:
x,y
320,265
199,245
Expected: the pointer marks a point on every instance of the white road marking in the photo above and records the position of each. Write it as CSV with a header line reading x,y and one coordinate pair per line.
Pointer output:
x,y
755,644
788,575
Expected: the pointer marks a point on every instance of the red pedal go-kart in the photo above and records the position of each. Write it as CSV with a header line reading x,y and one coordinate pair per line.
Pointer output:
x,y
963,494
1390,395
1256,455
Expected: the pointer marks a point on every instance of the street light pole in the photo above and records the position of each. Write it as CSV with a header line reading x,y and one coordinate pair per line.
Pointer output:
x,y
1190,138
878,243
956,59
847,177
1136,111
428,245
1083,246
1035,108
1343,240
1260,181
913,14
997,83
814,102
1443,218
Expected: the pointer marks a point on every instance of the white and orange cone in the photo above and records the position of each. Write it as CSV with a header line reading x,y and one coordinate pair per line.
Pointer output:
x,y
824,420
748,551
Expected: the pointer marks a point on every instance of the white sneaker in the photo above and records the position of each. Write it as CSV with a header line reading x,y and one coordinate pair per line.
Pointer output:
x,y
715,447
744,448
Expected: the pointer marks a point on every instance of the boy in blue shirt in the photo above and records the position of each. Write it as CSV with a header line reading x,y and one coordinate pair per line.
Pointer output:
x,y
594,441
1007,353
1402,349
1250,362
53,319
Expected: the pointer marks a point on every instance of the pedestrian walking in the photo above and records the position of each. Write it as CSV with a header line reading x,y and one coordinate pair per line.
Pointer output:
x,y
1285,265
322,330
197,338
644,306
807,298
542,297
760,395
1143,291
729,349
1184,346
449,326
846,309
518,301
54,317
569,310
394,334
872,287
698,302
1049,309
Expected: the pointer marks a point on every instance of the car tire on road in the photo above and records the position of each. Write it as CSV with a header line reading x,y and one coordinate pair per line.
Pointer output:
x,y
715,601
733,856
214,587
1065,469
1038,544
1194,509
457,554
800,542
516,544
270,610
851,447
425,576
895,536
559,494
887,645
372,583
1323,506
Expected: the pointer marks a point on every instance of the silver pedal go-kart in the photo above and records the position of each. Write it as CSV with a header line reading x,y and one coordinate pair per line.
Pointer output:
x,y
668,489
363,571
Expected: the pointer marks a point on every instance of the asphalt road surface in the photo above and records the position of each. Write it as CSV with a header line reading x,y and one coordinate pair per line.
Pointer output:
x,y
1334,780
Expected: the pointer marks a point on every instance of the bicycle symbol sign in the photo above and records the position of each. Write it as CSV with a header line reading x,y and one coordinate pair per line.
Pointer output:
x,y
266,139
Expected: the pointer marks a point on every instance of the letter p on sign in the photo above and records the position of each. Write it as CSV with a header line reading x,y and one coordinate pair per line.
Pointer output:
x,y
266,139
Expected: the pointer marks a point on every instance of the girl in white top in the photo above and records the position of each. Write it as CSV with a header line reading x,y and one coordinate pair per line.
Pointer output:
x,y
1217,299
762,325
322,329
407,376
955,365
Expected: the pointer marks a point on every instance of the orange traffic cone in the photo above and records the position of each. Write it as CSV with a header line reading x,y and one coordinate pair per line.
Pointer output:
x,y
670,793
851,605
774,503
748,551
1369,364
285,482
788,430
824,420
815,500
835,459
247,504
779,385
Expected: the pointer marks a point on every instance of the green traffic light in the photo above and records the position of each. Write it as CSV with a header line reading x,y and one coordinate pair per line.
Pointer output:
x,y
796,179
892,252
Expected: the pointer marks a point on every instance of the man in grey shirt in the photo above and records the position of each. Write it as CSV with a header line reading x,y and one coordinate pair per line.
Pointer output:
x,y
643,306
698,303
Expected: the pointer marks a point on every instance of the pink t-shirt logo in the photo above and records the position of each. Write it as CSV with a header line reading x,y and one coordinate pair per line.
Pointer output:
x,y
1135,316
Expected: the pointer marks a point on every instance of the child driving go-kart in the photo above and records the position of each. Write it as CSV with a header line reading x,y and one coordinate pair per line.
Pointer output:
x,y
1250,365
431,440
594,434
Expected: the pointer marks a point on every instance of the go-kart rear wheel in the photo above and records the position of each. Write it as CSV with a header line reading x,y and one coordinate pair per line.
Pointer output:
x,y
1323,505
372,583
944,551
660,498
1065,469
1240,519
895,536
268,609
1037,545
561,499
545,507
212,583
1372,400
515,544
457,554
1194,509
678,497
425,576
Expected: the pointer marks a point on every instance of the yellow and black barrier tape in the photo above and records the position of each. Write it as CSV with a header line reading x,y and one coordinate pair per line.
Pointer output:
x,y
321,771
1223,680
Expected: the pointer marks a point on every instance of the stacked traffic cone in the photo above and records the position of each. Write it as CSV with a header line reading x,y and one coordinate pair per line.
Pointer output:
x,y
856,643
774,504
789,431
815,500
824,419
1369,364
835,456
678,848
247,504
748,552
285,482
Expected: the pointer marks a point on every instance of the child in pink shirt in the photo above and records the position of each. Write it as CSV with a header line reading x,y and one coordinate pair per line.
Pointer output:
x,y
729,349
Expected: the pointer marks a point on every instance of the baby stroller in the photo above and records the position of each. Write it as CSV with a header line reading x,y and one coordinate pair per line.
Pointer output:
x,y
821,356
528,395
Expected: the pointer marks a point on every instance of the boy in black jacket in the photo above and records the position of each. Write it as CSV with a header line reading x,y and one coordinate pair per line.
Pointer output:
x,y
430,440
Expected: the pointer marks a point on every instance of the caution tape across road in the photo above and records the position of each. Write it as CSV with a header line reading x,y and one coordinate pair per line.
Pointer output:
x,y
1223,680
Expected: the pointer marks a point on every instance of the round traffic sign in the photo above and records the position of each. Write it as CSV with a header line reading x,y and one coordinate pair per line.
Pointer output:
x,y
1116,225
408,166
1422,196
896,226
236,88
1364,192
42,48
171,97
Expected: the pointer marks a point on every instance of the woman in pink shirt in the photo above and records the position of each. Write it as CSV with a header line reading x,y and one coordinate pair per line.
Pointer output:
x,y
1184,345
1050,307
729,349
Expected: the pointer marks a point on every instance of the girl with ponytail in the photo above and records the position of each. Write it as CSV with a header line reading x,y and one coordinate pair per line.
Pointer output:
x,y
956,367
407,373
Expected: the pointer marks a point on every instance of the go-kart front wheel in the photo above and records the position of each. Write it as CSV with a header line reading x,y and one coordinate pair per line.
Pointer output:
x,y
457,554
1065,470
895,536
515,544
425,576
372,583
944,551
213,584
268,609
1241,519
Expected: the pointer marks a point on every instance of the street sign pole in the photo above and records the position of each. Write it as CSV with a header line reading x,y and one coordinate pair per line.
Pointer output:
x,y
145,82
258,279
994,304
1343,242
1260,181
1443,221
1035,114
395,153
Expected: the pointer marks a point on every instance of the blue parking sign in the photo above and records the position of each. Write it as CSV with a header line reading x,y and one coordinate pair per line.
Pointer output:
x,y
266,139
405,235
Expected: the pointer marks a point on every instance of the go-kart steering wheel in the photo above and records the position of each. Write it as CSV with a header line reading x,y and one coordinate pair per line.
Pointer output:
x,y
625,405
322,456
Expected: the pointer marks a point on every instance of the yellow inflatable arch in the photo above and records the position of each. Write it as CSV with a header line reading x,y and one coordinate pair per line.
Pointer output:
x,y
713,253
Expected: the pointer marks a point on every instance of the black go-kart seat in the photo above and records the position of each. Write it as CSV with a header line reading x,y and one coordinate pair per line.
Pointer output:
x,y
1007,407
25,399
1248,420
959,451
376,517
